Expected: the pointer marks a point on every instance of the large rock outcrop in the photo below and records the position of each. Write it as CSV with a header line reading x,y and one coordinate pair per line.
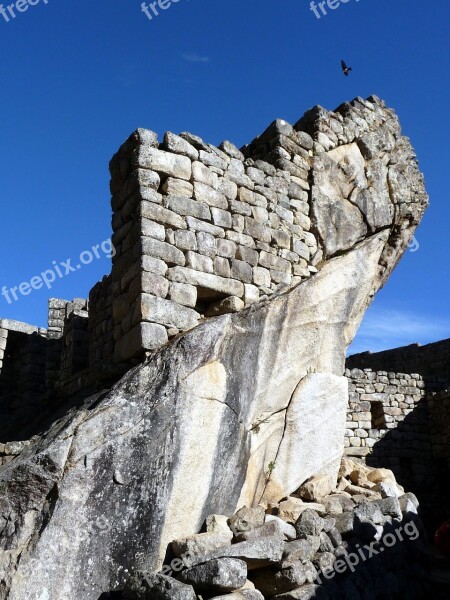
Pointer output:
x,y
238,411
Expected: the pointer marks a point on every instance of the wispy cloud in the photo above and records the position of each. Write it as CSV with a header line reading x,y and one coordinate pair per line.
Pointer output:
x,y
195,58
384,329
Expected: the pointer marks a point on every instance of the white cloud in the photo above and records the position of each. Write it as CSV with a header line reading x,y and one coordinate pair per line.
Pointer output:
x,y
195,58
384,329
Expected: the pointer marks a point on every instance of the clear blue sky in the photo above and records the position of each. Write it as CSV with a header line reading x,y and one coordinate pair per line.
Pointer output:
x,y
78,76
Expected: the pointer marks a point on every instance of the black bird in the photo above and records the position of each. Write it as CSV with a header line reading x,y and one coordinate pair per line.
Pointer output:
x,y
346,70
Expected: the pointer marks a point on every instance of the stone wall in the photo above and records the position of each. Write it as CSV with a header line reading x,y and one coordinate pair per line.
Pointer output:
x,y
101,326
201,230
394,421
381,402
22,371
430,360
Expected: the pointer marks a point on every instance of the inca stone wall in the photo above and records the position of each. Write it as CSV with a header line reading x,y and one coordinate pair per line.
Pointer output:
x,y
22,370
378,403
201,230
101,326
430,360
244,408
394,420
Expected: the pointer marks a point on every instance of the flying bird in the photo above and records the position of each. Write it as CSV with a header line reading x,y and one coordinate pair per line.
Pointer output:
x,y
346,70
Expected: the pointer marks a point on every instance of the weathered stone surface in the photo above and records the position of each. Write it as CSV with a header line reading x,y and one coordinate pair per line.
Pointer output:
x,y
217,575
158,587
309,523
164,162
211,421
247,518
241,595
207,281
316,488
202,543
160,310
256,553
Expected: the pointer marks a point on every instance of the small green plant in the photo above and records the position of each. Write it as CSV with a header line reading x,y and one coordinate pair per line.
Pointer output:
x,y
270,468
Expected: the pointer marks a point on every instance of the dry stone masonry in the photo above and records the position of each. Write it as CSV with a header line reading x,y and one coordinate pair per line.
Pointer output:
x,y
239,280
201,230
401,421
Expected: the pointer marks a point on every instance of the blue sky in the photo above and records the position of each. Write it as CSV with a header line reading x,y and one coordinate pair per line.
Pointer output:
x,y
78,76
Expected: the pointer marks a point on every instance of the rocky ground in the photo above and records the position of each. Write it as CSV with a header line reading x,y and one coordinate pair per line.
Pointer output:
x,y
362,540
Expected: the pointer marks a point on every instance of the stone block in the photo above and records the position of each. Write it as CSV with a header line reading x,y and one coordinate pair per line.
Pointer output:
x,y
188,207
228,188
157,213
261,276
222,267
240,208
248,255
179,145
151,283
280,277
281,238
145,336
226,248
151,229
208,195
301,249
256,230
166,312
203,174
183,293
231,304
206,244
251,294
197,225
164,162
153,265
221,217
163,251
238,223
270,261
178,187
210,285
241,270
240,238
185,240
199,262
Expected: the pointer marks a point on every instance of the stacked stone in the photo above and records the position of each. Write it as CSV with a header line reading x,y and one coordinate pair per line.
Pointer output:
x,y
432,361
68,340
101,326
75,346
199,231
22,374
56,316
379,402
320,543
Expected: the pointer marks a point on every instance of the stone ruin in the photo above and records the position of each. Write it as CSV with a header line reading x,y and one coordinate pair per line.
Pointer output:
x,y
201,230
206,375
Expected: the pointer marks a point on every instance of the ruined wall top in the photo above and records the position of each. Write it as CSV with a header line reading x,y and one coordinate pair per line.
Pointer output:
x,y
201,230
